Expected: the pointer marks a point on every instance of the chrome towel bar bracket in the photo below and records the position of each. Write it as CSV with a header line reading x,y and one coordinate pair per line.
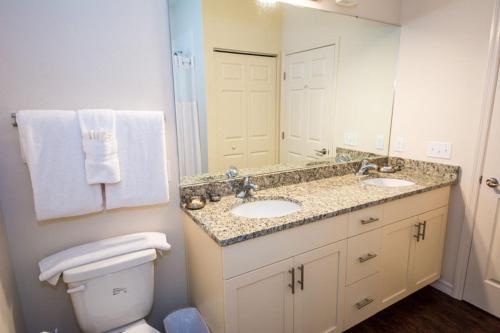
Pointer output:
x,y
13,119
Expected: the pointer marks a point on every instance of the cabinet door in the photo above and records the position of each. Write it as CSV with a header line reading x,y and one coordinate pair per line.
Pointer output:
x,y
320,280
429,248
396,257
261,300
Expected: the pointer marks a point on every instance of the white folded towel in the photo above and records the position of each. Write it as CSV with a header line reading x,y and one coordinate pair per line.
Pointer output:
x,y
52,147
52,266
100,147
141,150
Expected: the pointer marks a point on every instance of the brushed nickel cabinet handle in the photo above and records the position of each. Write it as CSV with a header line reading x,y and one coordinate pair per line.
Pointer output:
x,y
423,229
292,285
301,281
367,257
370,220
417,236
361,304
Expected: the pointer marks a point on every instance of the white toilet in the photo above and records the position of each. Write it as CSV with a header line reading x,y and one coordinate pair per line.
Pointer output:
x,y
115,294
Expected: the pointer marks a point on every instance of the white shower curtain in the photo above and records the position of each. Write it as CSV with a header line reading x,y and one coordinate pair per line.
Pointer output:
x,y
186,115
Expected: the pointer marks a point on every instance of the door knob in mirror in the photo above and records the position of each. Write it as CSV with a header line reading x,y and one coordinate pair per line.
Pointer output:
x,y
321,152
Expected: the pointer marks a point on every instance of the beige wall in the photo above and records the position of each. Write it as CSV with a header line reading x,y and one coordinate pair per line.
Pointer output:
x,y
388,11
77,54
442,65
235,25
366,57
10,308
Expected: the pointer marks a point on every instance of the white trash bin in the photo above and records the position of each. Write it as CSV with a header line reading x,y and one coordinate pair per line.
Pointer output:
x,y
187,320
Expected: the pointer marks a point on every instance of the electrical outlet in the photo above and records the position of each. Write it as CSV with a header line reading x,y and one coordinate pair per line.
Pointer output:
x,y
379,142
439,149
399,145
351,139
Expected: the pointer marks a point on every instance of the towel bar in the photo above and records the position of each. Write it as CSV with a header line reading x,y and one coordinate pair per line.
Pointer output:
x,y
13,119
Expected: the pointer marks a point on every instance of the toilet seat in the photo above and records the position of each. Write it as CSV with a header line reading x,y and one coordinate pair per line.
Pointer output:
x,y
137,327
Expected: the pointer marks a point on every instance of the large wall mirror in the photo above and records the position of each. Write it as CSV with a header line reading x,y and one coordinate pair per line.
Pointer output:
x,y
265,85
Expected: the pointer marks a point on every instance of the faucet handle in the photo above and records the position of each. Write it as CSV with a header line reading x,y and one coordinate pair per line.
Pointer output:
x,y
232,172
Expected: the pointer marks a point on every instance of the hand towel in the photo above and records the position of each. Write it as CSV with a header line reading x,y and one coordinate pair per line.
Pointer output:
x,y
99,144
52,266
141,150
52,147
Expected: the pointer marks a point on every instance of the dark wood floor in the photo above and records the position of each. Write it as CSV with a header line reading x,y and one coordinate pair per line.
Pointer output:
x,y
428,311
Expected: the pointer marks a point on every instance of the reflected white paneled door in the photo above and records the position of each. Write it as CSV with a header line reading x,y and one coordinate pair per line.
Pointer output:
x,y
308,105
482,286
246,128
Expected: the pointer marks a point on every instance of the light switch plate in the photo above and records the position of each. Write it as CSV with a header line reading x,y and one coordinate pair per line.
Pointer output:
x,y
379,142
399,144
439,149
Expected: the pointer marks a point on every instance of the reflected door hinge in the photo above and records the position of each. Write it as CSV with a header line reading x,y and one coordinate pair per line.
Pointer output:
x,y
481,180
282,135
284,75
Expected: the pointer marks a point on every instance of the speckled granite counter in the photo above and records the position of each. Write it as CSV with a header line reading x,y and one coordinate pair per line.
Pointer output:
x,y
319,199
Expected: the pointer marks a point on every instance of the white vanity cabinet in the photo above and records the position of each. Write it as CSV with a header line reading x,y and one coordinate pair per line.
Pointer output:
x,y
325,276
301,294
411,256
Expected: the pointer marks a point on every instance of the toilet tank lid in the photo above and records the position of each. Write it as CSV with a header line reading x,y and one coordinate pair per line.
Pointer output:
x,y
108,266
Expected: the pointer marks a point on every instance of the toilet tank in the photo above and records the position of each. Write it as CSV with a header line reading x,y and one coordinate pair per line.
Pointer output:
x,y
113,292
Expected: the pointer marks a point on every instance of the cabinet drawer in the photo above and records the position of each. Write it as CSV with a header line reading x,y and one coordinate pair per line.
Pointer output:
x,y
365,220
363,255
415,205
362,300
261,251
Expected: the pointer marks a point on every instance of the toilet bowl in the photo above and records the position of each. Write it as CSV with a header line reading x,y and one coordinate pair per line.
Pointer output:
x,y
115,294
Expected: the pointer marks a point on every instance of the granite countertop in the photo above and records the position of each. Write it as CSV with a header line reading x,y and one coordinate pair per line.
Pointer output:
x,y
319,199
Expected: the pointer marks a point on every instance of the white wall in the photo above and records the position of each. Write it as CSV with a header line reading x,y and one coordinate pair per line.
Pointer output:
x,y
442,66
77,54
387,11
10,308
366,58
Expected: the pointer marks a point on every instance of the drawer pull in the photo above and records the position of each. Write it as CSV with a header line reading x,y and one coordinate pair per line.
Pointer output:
x,y
370,220
367,257
363,303
292,285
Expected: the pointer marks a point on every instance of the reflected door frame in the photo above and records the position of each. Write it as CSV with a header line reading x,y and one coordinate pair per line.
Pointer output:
x,y
327,140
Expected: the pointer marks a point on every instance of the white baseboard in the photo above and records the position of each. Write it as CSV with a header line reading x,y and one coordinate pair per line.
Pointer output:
x,y
444,286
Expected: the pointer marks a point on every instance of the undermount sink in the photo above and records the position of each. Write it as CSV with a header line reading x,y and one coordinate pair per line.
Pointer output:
x,y
388,182
268,208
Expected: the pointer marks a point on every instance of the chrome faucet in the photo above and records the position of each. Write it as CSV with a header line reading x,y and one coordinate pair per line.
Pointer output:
x,y
247,189
365,167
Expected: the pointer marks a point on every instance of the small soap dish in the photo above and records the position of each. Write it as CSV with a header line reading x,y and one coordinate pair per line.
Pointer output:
x,y
196,202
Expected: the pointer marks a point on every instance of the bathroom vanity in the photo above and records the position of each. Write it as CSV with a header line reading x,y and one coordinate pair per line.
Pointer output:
x,y
301,108
351,250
